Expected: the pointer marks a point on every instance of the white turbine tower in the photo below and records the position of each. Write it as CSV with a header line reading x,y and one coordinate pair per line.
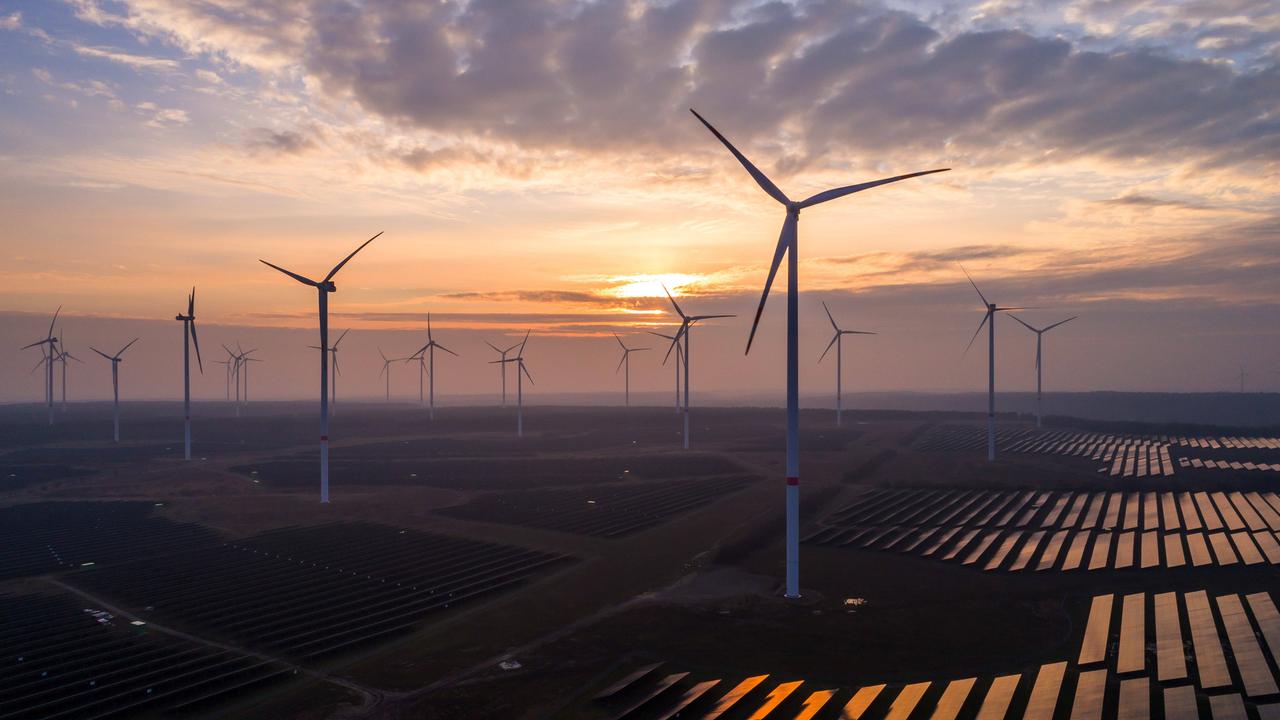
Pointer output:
x,y
386,370
1039,338
430,350
233,362
244,362
63,356
115,386
679,361
626,362
989,319
520,369
788,244
502,366
686,324
188,339
49,346
323,288
333,351
838,342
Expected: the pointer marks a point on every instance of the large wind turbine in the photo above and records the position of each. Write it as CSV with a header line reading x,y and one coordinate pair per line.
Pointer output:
x,y
49,346
430,350
686,324
323,288
1039,338
115,386
838,342
188,339
679,361
989,319
788,244
502,366
520,369
333,350
626,362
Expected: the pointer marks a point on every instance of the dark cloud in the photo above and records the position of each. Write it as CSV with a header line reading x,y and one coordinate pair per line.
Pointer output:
x,y
1149,201
278,142
561,296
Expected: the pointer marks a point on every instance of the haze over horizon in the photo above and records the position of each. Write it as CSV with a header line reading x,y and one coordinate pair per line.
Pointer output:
x,y
536,166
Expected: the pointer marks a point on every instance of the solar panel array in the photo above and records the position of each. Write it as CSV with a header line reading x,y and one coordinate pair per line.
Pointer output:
x,y
611,510
63,660
47,537
1120,455
1035,531
308,592
1169,655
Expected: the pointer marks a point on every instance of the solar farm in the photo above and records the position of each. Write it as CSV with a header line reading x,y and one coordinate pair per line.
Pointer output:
x,y
461,574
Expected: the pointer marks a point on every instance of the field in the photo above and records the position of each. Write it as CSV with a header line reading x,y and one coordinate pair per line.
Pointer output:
x,y
592,569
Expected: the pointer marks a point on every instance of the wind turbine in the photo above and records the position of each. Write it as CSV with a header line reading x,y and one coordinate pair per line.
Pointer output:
x,y
686,323
228,362
115,386
49,346
520,368
679,361
837,341
502,366
430,350
63,356
244,363
989,319
233,362
323,288
1040,337
788,244
626,361
333,350
188,339
386,370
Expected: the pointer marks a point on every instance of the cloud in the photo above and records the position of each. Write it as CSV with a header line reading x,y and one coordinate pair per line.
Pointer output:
x,y
278,142
1136,200
12,21
555,296
138,62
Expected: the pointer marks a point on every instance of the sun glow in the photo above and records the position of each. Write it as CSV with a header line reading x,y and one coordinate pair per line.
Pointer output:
x,y
649,286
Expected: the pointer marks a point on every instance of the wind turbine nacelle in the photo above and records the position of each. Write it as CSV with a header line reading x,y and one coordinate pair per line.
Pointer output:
x,y
328,286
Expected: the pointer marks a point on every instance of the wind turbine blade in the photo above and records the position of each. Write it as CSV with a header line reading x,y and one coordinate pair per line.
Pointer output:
x,y
100,352
447,350
639,349
1029,307
428,327
850,189
495,347
53,321
1024,323
857,332
673,302
522,342
615,337
347,259
784,241
695,318
344,334
525,370
669,337
833,320
191,303
39,363
40,342
1062,322
831,344
985,304
513,347
384,357
764,182
985,317
620,361
196,342
419,352
294,275
675,340
1037,355
335,364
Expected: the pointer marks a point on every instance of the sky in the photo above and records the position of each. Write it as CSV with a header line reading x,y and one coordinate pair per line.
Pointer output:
x,y
534,166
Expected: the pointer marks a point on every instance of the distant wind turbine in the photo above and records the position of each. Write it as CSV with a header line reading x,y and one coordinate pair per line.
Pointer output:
x,y
788,244
520,369
837,341
989,319
115,386
227,363
686,324
502,366
333,350
49,346
188,339
679,361
626,362
323,288
430,351
1039,338
386,370
63,356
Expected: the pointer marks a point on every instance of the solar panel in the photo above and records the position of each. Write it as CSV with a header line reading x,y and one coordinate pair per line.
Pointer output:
x,y
906,702
1199,550
1091,690
1052,550
952,700
1211,666
1171,660
1249,553
1227,707
1044,694
1222,550
1101,550
1250,663
1124,551
775,698
1135,700
1180,703
857,706
1002,551
732,697
1133,627
1075,554
689,697
1150,549
996,703
1270,548
1097,630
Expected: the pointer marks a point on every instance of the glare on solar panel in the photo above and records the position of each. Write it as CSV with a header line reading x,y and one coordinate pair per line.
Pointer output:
x,y
1171,661
1044,694
1211,665
906,702
995,705
857,706
952,700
